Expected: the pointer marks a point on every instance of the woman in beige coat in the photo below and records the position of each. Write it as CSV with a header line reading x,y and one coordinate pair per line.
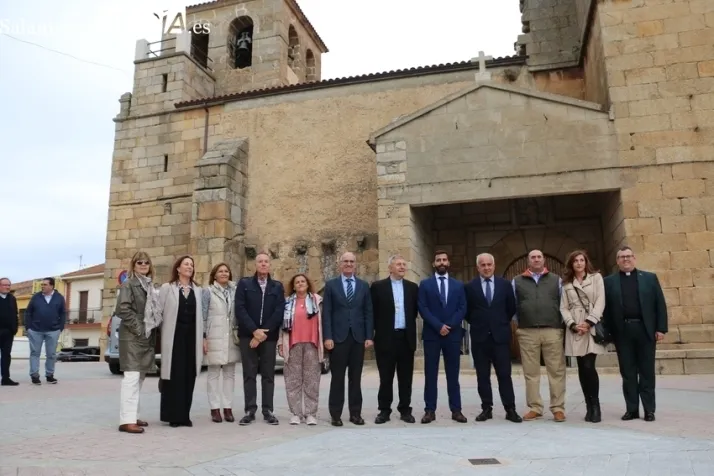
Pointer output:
x,y
220,350
581,304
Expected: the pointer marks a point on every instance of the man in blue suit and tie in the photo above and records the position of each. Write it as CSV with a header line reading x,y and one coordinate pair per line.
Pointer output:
x,y
348,329
491,306
442,305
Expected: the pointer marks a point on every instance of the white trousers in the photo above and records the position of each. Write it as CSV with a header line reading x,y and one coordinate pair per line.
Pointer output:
x,y
221,397
129,404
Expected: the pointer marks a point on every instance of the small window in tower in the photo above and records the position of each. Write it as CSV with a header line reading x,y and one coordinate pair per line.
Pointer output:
x,y
240,42
166,162
293,48
199,47
310,66
165,82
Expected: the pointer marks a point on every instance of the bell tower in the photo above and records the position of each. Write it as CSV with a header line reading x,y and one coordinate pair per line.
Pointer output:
x,y
255,44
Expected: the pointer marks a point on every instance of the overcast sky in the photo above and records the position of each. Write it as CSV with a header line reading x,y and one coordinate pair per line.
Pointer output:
x,y
56,129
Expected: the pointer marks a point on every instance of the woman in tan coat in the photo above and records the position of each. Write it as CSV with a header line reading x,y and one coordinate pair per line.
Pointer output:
x,y
582,303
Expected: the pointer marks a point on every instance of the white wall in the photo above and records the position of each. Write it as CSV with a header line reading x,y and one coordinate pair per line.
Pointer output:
x,y
93,285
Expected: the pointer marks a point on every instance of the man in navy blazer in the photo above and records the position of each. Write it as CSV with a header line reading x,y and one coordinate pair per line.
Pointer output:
x,y
491,306
348,329
442,305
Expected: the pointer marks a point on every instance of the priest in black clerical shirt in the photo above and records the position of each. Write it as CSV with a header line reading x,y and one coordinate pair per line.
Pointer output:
x,y
636,315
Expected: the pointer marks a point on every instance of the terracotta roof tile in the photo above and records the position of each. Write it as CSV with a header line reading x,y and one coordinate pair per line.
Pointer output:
x,y
96,269
365,78
23,287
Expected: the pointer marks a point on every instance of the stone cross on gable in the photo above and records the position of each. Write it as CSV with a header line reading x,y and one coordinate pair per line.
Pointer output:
x,y
483,74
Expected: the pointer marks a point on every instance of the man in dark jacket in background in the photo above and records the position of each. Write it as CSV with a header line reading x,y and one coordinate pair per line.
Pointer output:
x,y
8,329
45,318
259,308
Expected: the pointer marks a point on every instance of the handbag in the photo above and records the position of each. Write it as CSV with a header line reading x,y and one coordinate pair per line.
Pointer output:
x,y
602,335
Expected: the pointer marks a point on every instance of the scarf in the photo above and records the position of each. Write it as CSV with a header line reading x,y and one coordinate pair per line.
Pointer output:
x,y
152,319
289,314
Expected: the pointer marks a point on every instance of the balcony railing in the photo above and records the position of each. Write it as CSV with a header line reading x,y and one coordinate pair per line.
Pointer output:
x,y
84,316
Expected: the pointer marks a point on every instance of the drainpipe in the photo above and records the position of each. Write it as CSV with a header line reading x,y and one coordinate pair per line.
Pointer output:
x,y
205,130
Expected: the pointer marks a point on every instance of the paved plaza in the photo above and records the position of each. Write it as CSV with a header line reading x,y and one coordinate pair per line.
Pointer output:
x,y
71,429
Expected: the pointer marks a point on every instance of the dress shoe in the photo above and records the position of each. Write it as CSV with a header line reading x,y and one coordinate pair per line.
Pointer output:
x,y
336,422
458,417
486,414
559,417
428,417
596,413
270,418
187,423
141,423
649,416
407,418
228,415
511,415
174,425
247,419
531,415
8,383
383,417
630,416
216,416
357,420
130,428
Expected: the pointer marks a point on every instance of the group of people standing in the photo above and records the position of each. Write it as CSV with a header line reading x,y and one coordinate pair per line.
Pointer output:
x,y
256,318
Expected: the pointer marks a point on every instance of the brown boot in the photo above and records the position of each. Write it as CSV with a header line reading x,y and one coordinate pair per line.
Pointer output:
x,y
228,415
216,416
141,423
131,428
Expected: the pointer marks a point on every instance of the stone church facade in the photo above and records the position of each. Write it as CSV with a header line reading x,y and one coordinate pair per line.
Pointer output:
x,y
598,132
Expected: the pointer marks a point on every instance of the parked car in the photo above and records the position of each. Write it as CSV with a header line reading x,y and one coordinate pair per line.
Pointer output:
x,y
79,354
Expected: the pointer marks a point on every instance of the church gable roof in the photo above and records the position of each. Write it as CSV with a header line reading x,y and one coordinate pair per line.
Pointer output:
x,y
555,98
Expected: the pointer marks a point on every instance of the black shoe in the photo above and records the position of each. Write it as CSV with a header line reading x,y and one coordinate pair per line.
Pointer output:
x,y
357,420
174,425
51,379
270,419
36,380
383,417
511,415
458,417
595,412
336,422
649,416
188,423
247,419
8,383
428,417
407,418
486,414
630,416
588,409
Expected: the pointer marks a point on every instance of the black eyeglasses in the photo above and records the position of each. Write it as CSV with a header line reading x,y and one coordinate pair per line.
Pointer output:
x,y
142,262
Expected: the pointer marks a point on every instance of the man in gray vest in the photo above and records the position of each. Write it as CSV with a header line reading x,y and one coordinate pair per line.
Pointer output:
x,y
540,328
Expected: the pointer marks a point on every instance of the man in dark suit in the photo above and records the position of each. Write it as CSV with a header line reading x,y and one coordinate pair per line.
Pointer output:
x,y
636,316
442,305
259,309
395,311
8,329
348,328
491,305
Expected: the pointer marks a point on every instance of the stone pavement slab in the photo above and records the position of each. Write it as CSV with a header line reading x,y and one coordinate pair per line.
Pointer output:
x,y
71,429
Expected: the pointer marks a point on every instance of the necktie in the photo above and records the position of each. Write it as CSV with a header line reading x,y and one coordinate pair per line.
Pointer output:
x,y
350,290
488,291
442,290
